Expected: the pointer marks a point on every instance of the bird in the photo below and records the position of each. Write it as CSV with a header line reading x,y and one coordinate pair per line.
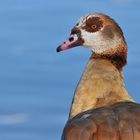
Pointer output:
x,y
101,108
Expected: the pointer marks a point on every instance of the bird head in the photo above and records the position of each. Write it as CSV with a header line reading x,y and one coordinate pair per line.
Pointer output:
x,y
96,31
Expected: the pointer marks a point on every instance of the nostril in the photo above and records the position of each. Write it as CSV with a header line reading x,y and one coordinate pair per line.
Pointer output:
x,y
71,39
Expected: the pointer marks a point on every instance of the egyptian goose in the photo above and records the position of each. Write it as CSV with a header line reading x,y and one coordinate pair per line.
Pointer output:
x,y
101,108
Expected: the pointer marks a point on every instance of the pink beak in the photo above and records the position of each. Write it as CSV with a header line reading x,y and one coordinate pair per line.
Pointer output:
x,y
73,41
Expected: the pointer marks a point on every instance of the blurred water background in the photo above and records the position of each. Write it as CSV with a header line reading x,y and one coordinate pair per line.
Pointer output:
x,y
36,83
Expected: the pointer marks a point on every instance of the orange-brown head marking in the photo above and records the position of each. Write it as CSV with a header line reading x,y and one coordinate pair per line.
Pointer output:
x,y
93,24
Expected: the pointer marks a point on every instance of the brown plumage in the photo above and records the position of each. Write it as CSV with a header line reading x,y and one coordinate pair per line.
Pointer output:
x,y
120,121
101,108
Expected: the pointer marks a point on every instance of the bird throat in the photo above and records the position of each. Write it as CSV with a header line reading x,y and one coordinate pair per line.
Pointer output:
x,y
102,84
116,55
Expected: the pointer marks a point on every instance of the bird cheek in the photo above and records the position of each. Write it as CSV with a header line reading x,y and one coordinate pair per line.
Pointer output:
x,y
88,39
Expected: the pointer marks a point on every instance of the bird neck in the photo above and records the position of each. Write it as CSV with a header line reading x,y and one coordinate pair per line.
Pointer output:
x,y
116,55
102,84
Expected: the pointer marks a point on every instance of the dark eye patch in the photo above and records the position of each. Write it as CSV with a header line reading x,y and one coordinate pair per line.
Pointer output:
x,y
93,21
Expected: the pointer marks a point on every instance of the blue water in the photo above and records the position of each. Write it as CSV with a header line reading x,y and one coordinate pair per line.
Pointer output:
x,y
36,83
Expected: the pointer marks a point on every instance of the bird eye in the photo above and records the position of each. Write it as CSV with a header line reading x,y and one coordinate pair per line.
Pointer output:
x,y
93,26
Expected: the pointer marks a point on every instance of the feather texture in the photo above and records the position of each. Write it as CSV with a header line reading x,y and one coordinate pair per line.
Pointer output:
x,y
121,121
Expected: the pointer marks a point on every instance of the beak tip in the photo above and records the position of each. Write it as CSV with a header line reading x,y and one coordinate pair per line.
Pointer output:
x,y
58,49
